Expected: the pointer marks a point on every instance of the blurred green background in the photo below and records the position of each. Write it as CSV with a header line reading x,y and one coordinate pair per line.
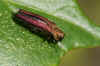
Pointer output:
x,y
91,56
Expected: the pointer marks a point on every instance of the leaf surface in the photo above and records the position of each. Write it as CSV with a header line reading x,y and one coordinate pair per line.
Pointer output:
x,y
20,47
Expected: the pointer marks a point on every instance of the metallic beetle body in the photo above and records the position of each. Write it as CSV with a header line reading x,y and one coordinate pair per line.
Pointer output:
x,y
41,23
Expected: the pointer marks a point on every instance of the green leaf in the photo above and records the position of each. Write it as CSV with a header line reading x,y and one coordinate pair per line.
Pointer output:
x,y
20,47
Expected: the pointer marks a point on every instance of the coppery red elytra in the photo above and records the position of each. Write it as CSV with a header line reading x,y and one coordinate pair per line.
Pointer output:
x,y
42,24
